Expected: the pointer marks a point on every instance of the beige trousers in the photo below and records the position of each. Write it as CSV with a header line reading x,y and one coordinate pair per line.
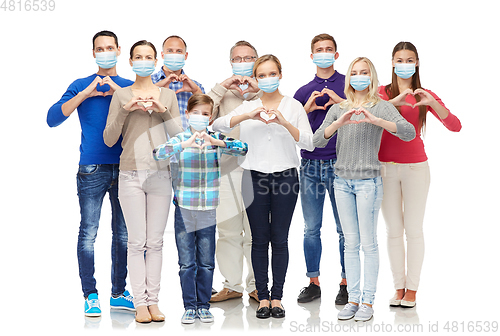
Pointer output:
x,y
235,240
405,194
145,200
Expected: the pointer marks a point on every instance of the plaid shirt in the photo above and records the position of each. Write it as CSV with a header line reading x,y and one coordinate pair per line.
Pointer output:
x,y
199,169
182,97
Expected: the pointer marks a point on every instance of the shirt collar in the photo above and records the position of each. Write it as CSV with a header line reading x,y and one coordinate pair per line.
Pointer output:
x,y
331,79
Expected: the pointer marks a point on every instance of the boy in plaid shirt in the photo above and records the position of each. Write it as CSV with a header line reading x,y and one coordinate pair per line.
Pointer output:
x,y
197,197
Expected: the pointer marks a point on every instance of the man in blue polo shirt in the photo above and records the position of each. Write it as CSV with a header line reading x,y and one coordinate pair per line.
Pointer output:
x,y
317,167
98,170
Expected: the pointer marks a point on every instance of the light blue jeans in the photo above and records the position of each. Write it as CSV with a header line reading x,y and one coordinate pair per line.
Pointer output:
x,y
358,205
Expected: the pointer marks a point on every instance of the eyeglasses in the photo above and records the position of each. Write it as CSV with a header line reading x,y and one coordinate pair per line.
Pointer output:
x,y
239,59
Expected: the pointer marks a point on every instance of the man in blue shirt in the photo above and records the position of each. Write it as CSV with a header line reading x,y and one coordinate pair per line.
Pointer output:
x,y
98,170
317,171
172,75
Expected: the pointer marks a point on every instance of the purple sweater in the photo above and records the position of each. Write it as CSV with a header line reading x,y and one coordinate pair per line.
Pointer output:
x,y
335,83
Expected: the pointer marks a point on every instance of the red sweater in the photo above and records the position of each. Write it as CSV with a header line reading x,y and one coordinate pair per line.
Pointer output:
x,y
393,149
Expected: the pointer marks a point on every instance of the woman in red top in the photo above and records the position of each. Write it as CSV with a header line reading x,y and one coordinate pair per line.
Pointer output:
x,y
405,174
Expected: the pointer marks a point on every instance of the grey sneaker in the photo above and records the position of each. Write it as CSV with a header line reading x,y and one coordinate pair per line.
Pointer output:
x,y
364,313
348,312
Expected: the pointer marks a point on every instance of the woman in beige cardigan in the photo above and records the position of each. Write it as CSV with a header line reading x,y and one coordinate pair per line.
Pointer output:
x,y
143,115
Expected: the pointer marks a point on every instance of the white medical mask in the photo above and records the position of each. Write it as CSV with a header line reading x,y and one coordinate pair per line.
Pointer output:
x,y
106,59
360,82
143,68
243,68
198,122
404,70
174,62
269,84
324,60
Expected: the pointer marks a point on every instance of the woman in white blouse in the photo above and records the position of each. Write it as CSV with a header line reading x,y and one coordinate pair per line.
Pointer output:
x,y
272,126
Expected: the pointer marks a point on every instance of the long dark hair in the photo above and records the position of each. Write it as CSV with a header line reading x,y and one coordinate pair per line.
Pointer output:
x,y
392,90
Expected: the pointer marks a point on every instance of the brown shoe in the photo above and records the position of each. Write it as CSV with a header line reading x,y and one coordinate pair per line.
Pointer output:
x,y
225,294
142,314
254,295
156,314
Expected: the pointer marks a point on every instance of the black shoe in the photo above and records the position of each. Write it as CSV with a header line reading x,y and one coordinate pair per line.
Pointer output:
x,y
342,296
278,312
263,313
309,293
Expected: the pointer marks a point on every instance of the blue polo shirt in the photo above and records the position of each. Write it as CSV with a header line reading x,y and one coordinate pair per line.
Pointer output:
x,y
335,83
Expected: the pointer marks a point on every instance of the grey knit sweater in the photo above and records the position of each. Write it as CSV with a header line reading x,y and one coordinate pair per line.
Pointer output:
x,y
358,144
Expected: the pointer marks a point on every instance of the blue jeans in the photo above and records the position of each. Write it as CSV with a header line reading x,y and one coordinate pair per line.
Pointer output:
x,y
270,215
93,182
358,203
195,239
316,179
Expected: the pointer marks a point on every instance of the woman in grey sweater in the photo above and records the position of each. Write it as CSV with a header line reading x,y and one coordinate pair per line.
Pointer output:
x,y
360,121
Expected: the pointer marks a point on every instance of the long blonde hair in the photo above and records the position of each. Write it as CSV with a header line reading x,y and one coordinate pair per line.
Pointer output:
x,y
372,98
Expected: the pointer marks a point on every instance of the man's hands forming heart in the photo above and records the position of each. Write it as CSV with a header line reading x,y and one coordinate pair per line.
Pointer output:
x,y
187,84
234,83
100,87
311,102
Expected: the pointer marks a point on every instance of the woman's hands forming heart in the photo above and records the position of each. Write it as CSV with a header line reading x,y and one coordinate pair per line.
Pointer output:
x,y
425,98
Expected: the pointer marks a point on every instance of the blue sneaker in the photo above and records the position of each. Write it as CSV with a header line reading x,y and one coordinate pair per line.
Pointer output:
x,y
205,315
92,306
124,301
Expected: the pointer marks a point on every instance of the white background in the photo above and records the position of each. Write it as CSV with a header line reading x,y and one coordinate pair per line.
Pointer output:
x,y
43,52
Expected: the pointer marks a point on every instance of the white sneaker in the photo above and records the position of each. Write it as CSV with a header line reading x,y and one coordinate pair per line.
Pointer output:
x,y
348,312
364,313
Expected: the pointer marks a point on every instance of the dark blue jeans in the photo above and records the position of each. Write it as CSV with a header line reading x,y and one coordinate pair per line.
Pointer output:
x,y
270,215
316,179
195,240
93,182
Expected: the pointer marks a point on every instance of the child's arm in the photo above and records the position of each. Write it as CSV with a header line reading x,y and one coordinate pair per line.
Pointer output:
x,y
228,145
169,148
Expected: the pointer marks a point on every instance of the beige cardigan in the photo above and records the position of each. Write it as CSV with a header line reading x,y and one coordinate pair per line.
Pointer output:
x,y
225,101
141,131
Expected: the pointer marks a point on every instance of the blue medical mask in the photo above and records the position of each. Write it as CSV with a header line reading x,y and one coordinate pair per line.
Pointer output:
x,y
324,60
198,122
143,68
360,82
106,59
404,70
269,84
174,62
243,68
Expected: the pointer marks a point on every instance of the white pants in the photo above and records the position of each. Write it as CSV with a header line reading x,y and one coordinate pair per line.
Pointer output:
x,y
405,194
235,240
145,200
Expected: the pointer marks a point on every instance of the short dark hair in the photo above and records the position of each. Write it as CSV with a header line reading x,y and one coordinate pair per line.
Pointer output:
x,y
323,37
139,43
178,37
104,33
